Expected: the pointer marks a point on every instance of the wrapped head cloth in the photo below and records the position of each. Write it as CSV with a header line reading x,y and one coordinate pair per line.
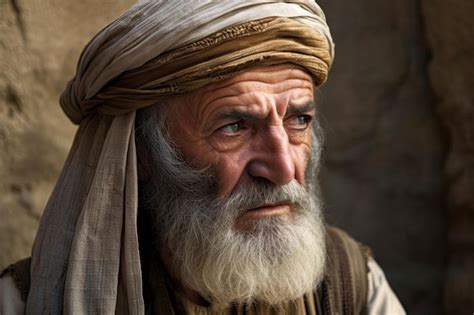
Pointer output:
x,y
85,257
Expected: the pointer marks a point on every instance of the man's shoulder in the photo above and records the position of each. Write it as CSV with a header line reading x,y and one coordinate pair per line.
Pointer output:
x,y
347,270
20,274
14,287
342,248
352,269
338,237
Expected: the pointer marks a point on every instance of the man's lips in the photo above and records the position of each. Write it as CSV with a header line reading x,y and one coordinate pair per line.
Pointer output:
x,y
269,210
263,211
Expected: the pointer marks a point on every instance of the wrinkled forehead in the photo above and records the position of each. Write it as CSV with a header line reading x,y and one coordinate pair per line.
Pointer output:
x,y
287,82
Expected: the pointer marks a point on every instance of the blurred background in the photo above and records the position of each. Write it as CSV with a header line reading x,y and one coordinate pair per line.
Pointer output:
x,y
398,110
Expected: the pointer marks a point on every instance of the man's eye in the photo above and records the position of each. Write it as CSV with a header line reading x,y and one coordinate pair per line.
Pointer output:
x,y
300,121
232,128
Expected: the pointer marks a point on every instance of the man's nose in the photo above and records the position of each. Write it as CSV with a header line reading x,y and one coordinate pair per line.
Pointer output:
x,y
272,159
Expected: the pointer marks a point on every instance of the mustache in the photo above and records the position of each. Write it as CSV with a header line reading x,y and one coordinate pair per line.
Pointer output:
x,y
259,192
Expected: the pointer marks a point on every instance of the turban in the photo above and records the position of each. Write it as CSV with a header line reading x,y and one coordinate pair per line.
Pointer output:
x,y
85,257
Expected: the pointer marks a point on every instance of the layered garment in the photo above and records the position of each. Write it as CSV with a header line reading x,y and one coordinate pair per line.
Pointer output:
x,y
344,289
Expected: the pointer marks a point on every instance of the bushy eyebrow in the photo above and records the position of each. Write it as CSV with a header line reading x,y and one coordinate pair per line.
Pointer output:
x,y
237,113
301,108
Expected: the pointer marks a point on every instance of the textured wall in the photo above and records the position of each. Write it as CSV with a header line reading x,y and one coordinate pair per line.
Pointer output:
x,y
450,32
384,157
40,42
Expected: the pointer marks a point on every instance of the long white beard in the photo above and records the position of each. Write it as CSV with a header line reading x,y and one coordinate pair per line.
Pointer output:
x,y
278,260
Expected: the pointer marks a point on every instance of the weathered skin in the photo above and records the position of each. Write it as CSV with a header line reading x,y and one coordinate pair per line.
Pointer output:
x,y
256,124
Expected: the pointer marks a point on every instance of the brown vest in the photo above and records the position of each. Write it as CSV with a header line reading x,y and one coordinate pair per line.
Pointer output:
x,y
343,291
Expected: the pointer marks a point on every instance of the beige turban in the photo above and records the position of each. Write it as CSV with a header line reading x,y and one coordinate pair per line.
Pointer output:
x,y
85,257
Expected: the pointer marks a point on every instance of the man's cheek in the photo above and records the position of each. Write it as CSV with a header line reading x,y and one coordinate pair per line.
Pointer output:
x,y
230,169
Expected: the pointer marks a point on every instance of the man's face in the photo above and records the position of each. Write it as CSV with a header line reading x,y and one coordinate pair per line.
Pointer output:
x,y
256,125
226,186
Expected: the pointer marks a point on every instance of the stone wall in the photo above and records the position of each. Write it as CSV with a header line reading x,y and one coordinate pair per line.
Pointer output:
x,y
398,112
450,33
383,176
40,42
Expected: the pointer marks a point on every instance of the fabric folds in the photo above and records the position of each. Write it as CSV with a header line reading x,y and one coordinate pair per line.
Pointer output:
x,y
86,258
264,42
295,30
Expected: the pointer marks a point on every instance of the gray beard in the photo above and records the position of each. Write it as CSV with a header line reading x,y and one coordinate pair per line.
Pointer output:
x,y
278,259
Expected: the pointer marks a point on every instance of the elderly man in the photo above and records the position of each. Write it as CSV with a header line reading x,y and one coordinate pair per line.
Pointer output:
x,y
191,184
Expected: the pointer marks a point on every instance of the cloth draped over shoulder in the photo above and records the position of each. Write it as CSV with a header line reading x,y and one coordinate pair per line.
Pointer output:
x,y
86,258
